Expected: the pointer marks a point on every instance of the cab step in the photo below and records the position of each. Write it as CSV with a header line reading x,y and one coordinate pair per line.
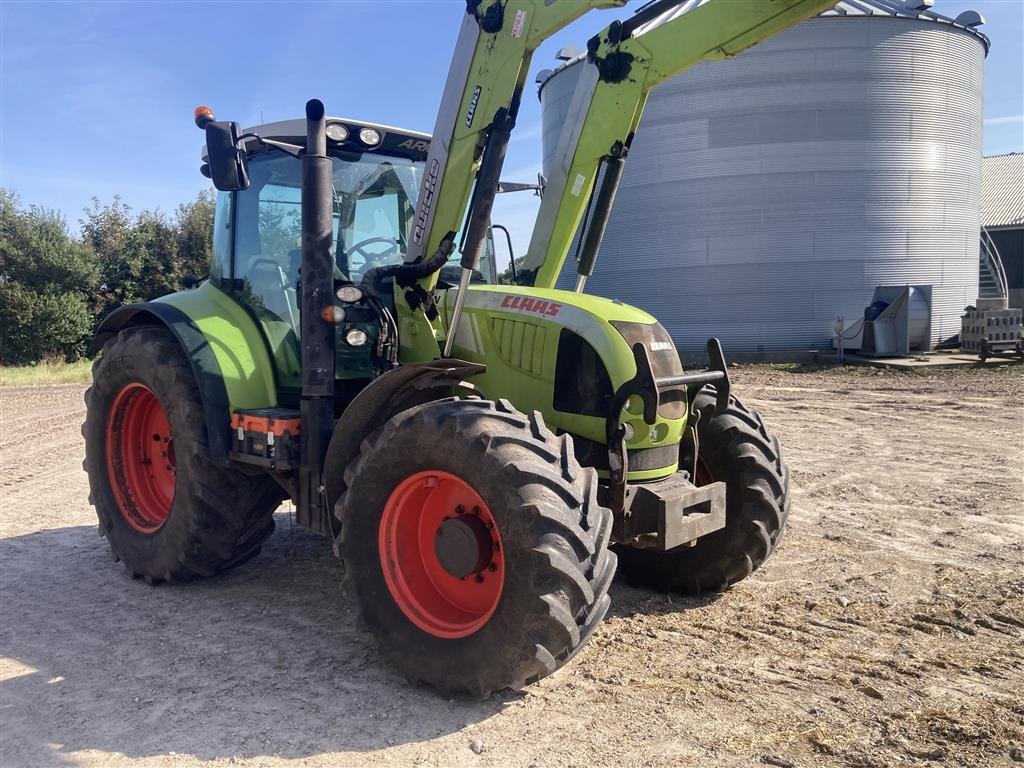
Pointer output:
x,y
267,437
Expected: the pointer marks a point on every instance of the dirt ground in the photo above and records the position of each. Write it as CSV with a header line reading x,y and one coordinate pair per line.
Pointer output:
x,y
887,630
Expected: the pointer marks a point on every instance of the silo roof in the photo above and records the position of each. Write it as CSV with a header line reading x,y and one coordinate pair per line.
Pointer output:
x,y
906,10
1002,190
912,9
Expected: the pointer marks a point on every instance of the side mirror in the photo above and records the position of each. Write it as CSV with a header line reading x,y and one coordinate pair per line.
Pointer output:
x,y
229,169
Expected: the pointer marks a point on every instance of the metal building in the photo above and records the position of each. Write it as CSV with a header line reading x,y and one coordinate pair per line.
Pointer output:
x,y
1002,219
767,195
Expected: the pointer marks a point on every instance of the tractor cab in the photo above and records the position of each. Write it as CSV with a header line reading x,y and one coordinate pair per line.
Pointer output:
x,y
376,175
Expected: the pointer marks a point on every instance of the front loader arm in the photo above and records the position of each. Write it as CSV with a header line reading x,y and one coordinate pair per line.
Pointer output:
x,y
623,64
481,95
487,74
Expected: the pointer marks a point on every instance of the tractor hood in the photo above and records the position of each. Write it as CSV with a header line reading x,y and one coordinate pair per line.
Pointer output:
x,y
559,303
566,354
588,316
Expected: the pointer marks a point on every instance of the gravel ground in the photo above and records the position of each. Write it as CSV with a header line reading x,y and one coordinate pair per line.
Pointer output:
x,y
887,630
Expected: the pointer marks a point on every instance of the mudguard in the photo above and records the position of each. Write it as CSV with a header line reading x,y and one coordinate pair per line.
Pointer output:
x,y
228,353
204,365
404,387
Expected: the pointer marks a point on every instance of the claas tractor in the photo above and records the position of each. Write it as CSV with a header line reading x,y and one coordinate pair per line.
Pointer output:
x,y
481,455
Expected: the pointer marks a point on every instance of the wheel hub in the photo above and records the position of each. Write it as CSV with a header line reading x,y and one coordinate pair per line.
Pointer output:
x,y
463,545
141,463
441,554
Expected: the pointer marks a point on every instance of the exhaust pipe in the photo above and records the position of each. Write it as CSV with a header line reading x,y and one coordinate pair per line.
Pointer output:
x,y
317,337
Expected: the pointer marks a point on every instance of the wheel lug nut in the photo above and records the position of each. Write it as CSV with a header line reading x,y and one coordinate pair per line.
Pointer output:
x,y
476,510
479,578
492,567
459,509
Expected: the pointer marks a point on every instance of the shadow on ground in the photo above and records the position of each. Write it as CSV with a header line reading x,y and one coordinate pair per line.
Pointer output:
x,y
265,660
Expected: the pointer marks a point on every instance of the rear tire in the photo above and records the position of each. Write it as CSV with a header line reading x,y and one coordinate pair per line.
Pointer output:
x,y
735,448
212,517
554,561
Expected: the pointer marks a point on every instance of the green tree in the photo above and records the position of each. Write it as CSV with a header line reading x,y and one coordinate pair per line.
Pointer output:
x,y
194,228
54,287
144,256
108,232
46,279
154,239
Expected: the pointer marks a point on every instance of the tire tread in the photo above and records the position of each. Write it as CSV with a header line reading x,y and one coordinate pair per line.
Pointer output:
x,y
572,565
231,513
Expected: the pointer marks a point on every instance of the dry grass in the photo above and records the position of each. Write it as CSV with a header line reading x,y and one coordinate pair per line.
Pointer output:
x,y
45,374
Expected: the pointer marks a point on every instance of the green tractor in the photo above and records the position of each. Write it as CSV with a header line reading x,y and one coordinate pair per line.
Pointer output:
x,y
481,455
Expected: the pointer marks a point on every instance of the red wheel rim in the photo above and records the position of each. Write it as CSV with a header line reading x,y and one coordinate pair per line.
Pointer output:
x,y
418,563
140,458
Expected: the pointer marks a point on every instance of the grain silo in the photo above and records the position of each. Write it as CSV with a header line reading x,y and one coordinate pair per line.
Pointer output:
x,y
767,195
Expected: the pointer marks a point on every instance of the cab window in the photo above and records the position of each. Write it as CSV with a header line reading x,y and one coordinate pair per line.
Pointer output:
x,y
374,202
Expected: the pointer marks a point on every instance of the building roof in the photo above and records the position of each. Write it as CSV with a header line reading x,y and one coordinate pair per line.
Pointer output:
x,y
1002,190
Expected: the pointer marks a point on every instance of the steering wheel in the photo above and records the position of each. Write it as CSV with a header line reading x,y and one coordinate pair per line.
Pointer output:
x,y
371,260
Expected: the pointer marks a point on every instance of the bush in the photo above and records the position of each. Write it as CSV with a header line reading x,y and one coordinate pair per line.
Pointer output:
x,y
46,325
54,287
46,278
144,257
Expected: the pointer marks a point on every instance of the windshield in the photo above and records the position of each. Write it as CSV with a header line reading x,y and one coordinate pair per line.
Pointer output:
x,y
374,204
374,207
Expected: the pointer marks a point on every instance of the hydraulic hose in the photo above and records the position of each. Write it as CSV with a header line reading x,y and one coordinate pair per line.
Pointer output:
x,y
408,273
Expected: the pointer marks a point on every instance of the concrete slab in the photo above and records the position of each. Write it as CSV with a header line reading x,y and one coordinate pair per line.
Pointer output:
x,y
929,361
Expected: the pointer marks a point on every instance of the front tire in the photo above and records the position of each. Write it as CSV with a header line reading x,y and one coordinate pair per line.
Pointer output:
x,y
528,584
168,510
736,448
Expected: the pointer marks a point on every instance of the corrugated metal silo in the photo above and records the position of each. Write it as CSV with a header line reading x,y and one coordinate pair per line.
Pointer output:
x,y
766,195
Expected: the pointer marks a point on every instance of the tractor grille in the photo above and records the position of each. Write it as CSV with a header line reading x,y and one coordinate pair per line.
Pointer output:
x,y
520,344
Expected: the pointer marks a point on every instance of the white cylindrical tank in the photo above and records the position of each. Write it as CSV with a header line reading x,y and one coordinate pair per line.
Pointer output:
x,y
767,195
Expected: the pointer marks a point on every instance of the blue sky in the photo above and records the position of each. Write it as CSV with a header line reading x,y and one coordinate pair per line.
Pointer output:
x,y
97,98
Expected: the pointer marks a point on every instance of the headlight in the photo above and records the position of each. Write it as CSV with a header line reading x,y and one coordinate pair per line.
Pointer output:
x,y
664,361
664,357
337,132
349,294
355,337
370,136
